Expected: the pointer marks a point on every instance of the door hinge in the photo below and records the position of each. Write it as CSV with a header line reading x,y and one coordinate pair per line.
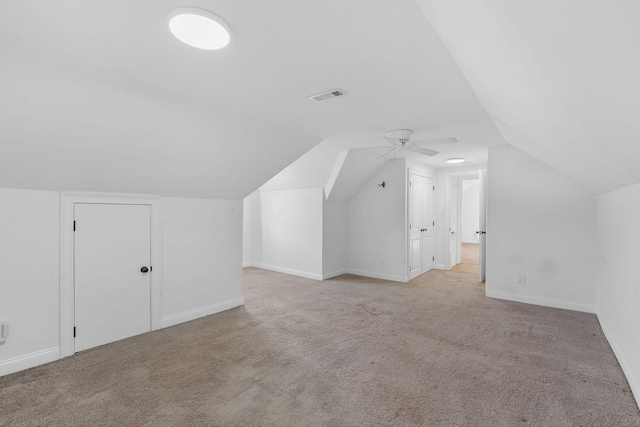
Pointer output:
x,y
434,258
434,188
74,331
409,183
74,226
150,268
434,223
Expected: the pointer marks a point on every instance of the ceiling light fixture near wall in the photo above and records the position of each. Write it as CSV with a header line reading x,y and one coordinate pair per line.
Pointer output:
x,y
455,160
199,28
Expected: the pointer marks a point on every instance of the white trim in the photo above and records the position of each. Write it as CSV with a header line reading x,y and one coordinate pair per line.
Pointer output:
x,y
196,313
67,202
246,264
334,273
622,360
546,302
30,360
440,267
376,275
305,274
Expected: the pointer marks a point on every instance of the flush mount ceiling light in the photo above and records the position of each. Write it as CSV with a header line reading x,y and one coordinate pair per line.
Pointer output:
x,y
455,160
199,28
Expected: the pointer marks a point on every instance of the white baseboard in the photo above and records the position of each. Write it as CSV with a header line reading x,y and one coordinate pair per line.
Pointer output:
x,y
305,274
376,275
30,360
246,264
440,267
546,302
334,273
201,312
622,360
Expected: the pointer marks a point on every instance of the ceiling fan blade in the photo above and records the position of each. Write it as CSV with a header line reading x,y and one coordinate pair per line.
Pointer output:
x,y
436,141
385,153
424,151
368,148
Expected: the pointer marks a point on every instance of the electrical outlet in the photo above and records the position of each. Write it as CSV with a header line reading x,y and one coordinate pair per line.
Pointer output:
x,y
4,331
522,279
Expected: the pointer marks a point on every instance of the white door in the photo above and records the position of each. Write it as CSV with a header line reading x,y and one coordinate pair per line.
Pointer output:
x,y
428,224
112,291
421,225
415,225
482,235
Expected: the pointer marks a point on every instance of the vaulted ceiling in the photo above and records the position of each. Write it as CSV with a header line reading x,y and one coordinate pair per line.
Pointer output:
x,y
560,79
97,95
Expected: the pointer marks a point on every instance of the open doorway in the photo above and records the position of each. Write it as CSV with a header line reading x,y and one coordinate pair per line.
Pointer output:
x,y
469,260
463,235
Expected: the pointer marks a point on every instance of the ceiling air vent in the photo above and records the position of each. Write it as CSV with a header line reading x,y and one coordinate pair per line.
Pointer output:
x,y
319,97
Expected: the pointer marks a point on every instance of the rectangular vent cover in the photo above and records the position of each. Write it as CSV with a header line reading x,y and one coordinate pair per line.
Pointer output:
x,y
319,97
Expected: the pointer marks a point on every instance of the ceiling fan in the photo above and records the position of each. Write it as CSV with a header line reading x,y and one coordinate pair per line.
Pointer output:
x,y
400,139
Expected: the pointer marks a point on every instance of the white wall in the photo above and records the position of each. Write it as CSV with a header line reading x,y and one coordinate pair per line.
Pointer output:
x,y
246,231
542,224
29,277
201,264
311,170
376,226
470,217
286,231
334,239
618,273
202,257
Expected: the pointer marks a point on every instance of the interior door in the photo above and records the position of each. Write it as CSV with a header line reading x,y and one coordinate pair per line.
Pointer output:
x,y
415,225
112,290
428,224
482,235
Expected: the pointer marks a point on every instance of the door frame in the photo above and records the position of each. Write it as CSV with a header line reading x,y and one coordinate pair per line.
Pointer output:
x,y
68,200
451,200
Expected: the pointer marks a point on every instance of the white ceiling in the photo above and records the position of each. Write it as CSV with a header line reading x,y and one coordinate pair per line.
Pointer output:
x,y
559,78
97,95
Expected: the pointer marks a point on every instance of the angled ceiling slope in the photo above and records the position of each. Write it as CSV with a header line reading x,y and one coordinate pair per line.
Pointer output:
x,y
98,95
559,79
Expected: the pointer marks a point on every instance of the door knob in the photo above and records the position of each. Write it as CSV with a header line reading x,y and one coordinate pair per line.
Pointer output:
x,y
144,270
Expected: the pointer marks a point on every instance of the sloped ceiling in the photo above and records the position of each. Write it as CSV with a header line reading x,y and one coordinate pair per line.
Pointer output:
x,y
560,79
312,170
97,95
354,172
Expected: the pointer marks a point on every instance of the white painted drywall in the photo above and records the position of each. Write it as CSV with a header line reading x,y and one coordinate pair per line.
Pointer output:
x,y
201,258
559,79
470,215
618,273
542,224
29,277
246,231
286,231
334,239
311,170
355,170
376,227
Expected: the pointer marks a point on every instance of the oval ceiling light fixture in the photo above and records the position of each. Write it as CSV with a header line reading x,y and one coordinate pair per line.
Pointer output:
x,y
455,160
199,28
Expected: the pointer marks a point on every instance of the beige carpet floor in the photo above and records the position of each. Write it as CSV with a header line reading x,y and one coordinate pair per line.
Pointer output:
x,y
345,352
470,259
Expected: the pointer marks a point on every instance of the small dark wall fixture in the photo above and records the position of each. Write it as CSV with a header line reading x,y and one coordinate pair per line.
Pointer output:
x,y
383,184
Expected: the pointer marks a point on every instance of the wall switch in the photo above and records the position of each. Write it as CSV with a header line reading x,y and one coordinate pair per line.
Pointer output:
x,y
4,331
522,279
